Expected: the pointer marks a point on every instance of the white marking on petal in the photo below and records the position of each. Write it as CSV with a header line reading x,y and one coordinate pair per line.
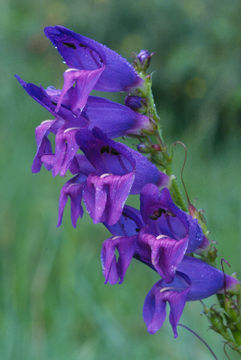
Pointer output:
x,y
161,237
70,129
71,69
166,289
104,175
116,237
46,121
71,185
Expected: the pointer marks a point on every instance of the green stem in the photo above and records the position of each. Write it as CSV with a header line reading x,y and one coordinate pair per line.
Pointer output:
x,y
166,162
177,195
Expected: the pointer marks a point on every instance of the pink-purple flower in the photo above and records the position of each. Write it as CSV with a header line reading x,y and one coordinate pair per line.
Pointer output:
x,y
107,173
194,280
161,233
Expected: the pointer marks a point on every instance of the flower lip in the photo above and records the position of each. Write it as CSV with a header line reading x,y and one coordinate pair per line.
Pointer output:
x,y
72,189
114,269
154,309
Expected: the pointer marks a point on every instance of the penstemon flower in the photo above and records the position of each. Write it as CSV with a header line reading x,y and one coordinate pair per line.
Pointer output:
x,y
162,234
194,280
91,65
165,234
107,173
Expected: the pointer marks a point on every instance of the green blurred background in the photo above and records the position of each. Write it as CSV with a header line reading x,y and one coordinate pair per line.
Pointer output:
x,y
53,301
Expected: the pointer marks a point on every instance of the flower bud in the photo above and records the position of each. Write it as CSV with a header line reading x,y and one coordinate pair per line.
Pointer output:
x,y
156,147
231,309
143,148
212,254
134,102
216,320
143,59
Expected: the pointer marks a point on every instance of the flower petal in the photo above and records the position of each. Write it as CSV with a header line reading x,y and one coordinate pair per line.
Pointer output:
x,y
114,119
43,144
48,99
84,81
108,187
105,196
153,199
65,150
114,270
104,154
154,310
164,253
73,189
206,280
82,53
129,223
146,173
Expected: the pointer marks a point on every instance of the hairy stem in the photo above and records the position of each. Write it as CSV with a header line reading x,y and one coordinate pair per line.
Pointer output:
x,y
165,162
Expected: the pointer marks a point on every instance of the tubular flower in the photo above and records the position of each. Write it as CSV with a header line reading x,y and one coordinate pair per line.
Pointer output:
x,y
91,66
170,233
111,172
161,233
194,280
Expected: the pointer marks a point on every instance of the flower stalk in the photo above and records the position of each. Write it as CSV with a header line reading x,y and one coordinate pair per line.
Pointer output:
x,y
159,154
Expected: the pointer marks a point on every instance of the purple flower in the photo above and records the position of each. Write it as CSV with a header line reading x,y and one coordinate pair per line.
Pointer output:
x,y
91,66
112,118
112,72
194,280
112,171
170,232
162,232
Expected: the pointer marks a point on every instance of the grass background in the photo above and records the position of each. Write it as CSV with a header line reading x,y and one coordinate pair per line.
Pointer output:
x,y
53,303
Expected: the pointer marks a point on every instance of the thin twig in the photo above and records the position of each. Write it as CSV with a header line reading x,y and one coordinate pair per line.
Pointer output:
x,y
225,351
224,275
183,166
201,339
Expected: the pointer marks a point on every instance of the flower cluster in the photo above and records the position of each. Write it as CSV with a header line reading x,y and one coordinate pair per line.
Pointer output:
x,y
105,172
